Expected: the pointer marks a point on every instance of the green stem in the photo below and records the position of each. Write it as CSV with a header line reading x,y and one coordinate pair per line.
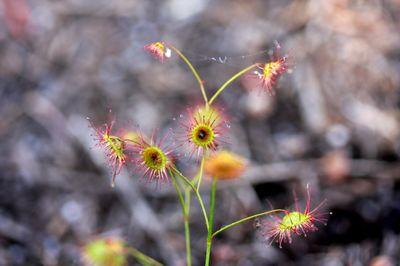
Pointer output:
x,y
226,227
187,228
196,192
211,221
203,209
185,214
142,258
201,172
195,73
184,178
179,192
229,81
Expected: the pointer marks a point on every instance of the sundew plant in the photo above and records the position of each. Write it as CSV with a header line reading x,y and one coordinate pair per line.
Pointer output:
x,y
202,134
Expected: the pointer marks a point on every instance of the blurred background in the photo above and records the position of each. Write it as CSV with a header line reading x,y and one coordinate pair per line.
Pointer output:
x,y
333,124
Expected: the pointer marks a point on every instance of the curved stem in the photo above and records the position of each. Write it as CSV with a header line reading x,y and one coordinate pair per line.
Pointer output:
x,y
196,192
229,81
184,178
211,221
203,209
142,258
195,73
185,213
226,227
179,192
